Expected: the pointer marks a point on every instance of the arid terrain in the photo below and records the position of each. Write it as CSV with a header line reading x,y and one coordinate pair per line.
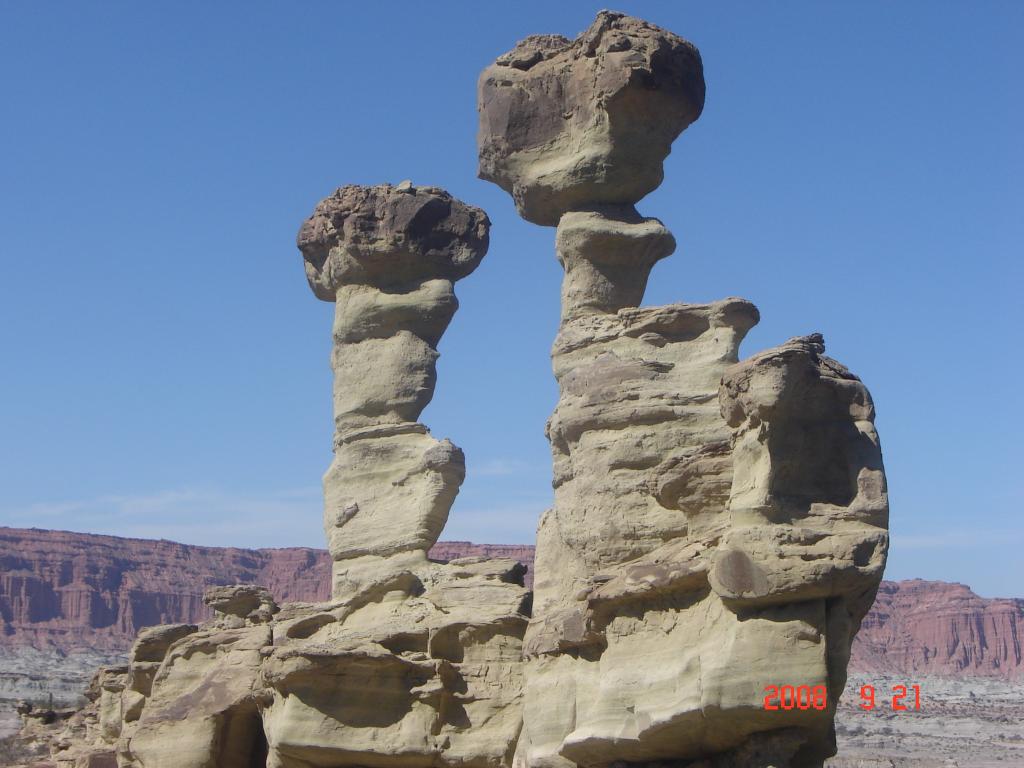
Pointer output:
x,y
70,602
968,722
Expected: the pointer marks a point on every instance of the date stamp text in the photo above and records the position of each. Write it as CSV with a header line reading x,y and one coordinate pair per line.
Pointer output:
x,y
903,698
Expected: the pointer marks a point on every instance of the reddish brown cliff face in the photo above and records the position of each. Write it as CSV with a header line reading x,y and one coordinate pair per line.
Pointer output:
x,y
933,628
73,590
450,550
70,590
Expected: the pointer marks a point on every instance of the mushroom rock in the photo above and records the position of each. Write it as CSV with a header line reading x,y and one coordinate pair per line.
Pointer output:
x,y
412,663
718,527
388,256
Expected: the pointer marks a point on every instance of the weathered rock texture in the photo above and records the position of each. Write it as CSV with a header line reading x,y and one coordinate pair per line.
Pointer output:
x,y
418,668
388,258
412,662
718,526
914,627
567,124
81,593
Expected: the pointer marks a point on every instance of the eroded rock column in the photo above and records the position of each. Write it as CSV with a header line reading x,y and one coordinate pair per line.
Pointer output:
x,y
413,663
668,593
388,258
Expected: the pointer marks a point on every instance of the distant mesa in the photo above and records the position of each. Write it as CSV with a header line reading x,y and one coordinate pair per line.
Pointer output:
x,y
915,627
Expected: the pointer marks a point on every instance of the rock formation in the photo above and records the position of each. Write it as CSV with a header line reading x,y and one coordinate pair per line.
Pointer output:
x,y
72,591
412,662
718,526
933,628
914,627
81,592
388,258
569,124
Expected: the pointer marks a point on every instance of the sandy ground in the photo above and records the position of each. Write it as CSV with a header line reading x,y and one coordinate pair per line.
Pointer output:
x,y
9,722
32,675
963,723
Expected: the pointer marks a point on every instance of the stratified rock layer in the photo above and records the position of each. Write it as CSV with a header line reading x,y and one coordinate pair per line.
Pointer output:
x,y
718,527
388,257
72,591
915,627
414,669
412,663
919,627
79,593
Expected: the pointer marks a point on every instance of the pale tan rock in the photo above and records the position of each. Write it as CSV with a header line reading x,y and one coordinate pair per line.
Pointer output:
x,y
152,643
416,667
412,663
639,395
607,257
203,707
249,602
690,561
389,494
808,507
717,527
144,661
388,257
111,683
403,674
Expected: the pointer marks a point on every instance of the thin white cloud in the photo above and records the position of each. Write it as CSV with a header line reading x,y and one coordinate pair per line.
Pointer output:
x,y
210,517
291,517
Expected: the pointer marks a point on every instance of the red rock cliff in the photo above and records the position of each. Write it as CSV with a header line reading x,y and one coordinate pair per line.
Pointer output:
x,y
933,628
73,590
69,590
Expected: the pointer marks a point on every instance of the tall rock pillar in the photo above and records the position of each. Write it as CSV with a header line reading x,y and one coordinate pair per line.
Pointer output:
x,y
674,578
388,258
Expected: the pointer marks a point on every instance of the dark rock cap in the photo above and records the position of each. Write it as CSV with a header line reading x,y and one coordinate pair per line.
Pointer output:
x,y
390,236
565,125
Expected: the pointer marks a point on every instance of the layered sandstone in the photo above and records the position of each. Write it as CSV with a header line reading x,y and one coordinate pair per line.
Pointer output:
x,y
914,627
71,590
919,627
411,662
388,257
718,526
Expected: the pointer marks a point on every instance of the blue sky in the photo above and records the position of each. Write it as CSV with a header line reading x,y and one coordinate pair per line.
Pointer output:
x,y
857,171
